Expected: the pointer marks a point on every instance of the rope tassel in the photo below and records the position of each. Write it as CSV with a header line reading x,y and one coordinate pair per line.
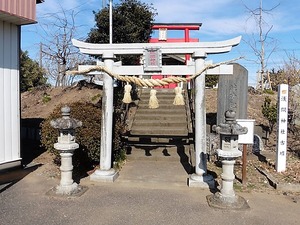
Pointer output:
x,y
153,101
127,97
179,100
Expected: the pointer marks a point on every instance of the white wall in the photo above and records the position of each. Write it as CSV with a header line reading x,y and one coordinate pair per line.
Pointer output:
x,y
9,95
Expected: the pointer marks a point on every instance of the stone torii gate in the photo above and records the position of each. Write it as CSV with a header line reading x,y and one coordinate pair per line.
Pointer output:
x,y
152,64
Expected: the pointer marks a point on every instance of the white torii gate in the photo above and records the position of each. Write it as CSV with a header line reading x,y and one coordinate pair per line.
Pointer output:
x,y
198,50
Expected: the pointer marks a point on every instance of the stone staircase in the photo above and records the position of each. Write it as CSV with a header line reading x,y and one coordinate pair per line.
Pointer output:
x,y
166,124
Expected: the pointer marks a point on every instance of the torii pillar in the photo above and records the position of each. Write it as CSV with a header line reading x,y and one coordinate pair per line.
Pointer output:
x,y
200,178
106,173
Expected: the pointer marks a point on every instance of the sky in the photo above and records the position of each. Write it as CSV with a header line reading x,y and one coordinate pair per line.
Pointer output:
x,y
221,20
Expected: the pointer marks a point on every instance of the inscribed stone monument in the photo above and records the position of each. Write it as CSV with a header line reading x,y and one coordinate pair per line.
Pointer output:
x,y
233,93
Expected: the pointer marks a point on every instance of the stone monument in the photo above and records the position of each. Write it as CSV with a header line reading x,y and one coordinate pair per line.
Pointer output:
x,y
233,93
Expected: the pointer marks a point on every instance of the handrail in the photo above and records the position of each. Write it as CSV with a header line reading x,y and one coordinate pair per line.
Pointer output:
x,y
188,112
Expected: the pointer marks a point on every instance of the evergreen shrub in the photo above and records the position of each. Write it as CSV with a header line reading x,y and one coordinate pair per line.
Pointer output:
x,y
88,136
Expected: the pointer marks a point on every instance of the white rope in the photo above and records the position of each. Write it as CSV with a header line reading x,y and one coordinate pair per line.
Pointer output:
x,y
127,97
149,82
178,100
153,101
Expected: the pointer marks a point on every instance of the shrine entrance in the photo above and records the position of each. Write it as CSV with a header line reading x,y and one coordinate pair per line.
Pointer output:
x,y
151,54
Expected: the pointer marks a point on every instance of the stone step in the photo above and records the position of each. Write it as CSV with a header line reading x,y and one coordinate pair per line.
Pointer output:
x,y
155,141
161,117
163,131
162,153
158,91
160,102
166,121
165,111
163,95
160,123
145,97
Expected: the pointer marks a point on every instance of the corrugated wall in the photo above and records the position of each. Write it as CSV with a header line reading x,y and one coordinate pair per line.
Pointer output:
x,y
9,95
21,8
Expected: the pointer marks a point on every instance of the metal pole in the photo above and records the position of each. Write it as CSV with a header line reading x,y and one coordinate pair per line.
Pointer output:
x,y
110,22
244,168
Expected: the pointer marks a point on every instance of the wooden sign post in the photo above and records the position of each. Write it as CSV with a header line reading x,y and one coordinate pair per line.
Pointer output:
x,y
246,139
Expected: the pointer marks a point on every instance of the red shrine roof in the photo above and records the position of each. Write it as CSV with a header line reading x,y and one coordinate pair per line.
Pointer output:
x,y
177,26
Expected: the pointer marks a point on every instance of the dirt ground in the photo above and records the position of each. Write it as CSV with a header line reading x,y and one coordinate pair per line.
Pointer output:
x,y
39,103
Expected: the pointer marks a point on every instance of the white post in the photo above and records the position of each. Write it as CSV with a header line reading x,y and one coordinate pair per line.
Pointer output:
x,y
282,121
200,178
110,22
106,172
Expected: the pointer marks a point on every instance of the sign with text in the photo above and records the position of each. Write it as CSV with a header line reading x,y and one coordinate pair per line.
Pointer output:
x,y
282,120
249,136
152,60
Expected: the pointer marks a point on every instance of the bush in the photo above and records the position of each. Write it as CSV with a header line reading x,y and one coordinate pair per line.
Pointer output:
x,y
88,136
269,111
269,91
211,80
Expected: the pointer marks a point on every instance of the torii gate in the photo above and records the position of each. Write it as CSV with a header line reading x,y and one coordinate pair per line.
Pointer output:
x,y
152,64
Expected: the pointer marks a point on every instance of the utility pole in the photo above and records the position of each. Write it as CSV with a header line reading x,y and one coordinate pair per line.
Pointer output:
x,y
262,46
110,22
41,55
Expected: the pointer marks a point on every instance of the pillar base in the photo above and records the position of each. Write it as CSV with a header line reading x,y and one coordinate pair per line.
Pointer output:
x,y
221,202
73,190
104,175
205,181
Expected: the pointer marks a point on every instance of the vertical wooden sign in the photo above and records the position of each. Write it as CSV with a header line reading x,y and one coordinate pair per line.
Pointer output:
x,y
282,120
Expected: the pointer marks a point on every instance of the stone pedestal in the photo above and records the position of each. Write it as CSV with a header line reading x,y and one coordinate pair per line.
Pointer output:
x,y
67,185
105,175
201,181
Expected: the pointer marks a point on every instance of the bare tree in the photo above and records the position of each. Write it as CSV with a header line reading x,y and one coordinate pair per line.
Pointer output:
x,y
261,43
57,51
290,72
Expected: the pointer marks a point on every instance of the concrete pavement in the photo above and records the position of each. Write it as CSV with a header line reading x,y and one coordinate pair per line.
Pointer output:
x,y
147,192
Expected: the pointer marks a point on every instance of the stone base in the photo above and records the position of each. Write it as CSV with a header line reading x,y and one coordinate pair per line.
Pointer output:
x,y
104,175
73,190
206,181
220,202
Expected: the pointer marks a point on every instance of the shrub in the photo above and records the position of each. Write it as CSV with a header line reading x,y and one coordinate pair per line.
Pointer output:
x,y
269,91
211,80
269,111
46,98
87,136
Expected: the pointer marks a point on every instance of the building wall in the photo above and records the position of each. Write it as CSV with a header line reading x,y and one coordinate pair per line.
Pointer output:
x,y
9,95
18,9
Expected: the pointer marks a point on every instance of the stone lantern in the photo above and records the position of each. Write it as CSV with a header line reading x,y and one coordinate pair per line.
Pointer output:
x,y
229,152
66,146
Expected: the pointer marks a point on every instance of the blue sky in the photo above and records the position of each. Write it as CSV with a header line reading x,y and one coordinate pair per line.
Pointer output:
x,y
221,20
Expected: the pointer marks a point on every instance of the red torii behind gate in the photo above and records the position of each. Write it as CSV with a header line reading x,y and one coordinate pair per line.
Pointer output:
x,y
164,27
